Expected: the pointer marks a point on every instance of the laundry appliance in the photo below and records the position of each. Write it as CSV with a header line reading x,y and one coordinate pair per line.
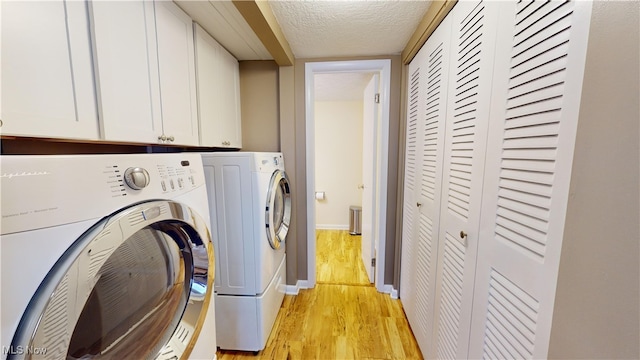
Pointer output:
x,y
106,256
250,203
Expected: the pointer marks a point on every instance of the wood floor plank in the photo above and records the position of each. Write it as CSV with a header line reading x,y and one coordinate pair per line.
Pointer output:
x,y
343,317
338,258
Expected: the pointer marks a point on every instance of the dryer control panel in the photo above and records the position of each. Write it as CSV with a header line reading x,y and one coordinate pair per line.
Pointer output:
x,y
268,162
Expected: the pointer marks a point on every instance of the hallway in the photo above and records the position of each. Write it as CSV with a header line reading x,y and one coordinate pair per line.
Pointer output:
x,y
343,317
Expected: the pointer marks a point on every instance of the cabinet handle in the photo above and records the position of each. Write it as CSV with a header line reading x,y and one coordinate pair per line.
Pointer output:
x,y
162,138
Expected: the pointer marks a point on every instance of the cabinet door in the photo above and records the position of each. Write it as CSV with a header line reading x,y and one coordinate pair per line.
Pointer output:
x,y
539,68
127,70
47,75
229,99
468,103
218,93
176,66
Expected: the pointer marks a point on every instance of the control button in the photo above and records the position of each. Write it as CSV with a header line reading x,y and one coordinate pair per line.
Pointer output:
x,y
173,186
193,181
164,186
180,183
136,178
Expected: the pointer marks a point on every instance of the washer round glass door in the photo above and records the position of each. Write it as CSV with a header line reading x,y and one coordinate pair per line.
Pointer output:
x,y
119,292
278,211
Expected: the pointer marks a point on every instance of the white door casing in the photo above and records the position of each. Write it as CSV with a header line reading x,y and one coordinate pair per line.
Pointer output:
x,y
369,170
384,68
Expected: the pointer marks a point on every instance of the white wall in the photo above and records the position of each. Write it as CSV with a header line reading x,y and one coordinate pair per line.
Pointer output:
x,y
338,162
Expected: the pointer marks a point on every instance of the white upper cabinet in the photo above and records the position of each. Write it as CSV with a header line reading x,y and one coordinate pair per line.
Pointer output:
x,y
176,66
218,81
145,72
126,70
47,78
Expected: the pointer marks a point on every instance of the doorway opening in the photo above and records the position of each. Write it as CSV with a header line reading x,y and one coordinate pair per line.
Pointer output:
x,y
378,160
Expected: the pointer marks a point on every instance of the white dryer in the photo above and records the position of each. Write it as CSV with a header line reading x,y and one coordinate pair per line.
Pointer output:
x,y
106,256
250,204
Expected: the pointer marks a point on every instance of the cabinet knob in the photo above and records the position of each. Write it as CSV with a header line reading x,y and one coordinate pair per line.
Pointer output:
x,y
418,204
463,234
162,138
171,138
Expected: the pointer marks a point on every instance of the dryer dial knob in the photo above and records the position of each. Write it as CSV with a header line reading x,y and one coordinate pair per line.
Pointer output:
x,y
136,178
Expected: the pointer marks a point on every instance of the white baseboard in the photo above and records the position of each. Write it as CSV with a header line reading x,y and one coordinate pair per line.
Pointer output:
x,y
331,227
394,294
387,289
295,289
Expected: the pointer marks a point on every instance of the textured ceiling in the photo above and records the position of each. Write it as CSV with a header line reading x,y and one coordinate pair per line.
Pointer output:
x,y
319,29
340,86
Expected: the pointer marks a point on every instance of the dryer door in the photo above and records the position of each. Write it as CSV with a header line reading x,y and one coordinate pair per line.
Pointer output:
x,y
278,214
120,291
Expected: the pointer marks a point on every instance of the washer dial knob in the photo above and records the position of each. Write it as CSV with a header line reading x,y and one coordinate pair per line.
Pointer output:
x,y
136,178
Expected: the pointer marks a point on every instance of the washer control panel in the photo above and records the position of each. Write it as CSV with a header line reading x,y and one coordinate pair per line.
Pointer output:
x,y
37,191
136,178
176,178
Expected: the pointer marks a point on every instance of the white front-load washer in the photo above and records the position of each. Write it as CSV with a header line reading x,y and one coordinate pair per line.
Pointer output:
x,y
250,203
105,257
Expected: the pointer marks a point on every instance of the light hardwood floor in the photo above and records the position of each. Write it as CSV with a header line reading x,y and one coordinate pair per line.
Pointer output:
x,y
338,258
343,317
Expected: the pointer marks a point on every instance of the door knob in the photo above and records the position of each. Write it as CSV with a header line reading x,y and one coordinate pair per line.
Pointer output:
x,y
464,237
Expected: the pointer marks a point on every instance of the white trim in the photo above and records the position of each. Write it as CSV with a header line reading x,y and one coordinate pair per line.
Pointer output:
x,y
331,227
295,289
292,289
394,294
387,289
382,66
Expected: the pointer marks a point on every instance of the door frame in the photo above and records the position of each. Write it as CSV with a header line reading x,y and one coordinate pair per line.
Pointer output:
x,y
383,67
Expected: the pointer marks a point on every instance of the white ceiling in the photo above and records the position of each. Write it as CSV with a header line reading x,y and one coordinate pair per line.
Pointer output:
x,y
319,29
340,86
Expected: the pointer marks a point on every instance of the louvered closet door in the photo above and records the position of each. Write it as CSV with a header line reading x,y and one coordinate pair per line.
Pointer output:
x,y
432,82
539,68
468,103
408,265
